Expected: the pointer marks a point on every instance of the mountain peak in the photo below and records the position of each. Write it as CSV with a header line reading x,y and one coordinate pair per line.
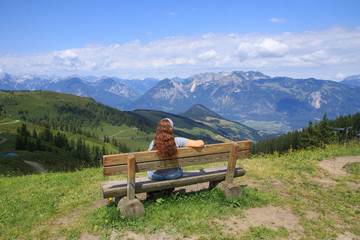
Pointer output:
x,y
251,75
200,111
352,80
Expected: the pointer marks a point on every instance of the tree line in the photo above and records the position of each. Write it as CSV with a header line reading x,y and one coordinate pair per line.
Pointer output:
x,y
45,140
318,134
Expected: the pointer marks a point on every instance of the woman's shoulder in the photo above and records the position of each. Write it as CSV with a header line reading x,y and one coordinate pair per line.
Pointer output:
x,y
181,142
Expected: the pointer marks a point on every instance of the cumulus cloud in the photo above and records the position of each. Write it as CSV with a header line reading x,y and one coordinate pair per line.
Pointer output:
x,y
321,54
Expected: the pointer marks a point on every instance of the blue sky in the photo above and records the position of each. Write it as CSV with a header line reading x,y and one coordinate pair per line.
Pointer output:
x,y
138,39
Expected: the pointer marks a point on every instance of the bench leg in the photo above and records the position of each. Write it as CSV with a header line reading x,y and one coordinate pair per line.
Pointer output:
x,y
131,208
231,190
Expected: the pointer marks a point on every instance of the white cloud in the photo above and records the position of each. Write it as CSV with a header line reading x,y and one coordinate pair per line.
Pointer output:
x,y
340,76
277,20
207,55
320,54
272,48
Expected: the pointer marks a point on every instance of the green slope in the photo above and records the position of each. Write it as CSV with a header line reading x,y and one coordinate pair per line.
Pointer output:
x,y
61,110
101,129
226,129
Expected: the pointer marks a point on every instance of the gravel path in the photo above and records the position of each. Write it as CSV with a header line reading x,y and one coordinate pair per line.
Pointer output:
x,y
38,167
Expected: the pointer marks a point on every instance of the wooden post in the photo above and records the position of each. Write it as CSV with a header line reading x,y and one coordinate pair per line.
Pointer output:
x,y
131,177
232,163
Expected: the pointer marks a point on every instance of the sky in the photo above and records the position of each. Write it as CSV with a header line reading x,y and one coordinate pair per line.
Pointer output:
x,y
136,39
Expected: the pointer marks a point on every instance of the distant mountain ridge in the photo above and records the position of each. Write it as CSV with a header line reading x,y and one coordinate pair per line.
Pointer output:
x,y
243,96
238,96
113,92
352,80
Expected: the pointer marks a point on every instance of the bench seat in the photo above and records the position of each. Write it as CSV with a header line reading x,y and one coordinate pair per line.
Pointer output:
x,y
118,188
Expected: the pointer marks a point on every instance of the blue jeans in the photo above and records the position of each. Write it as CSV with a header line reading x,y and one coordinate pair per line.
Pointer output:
x,y
156,176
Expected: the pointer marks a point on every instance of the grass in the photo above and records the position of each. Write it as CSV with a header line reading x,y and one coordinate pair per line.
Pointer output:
x,y
59,160
353,168
56,205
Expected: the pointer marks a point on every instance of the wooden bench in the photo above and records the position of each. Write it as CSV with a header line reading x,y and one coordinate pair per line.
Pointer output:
x,y
131,163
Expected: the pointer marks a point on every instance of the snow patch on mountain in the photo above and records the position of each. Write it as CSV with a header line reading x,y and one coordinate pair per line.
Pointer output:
x,y
315,99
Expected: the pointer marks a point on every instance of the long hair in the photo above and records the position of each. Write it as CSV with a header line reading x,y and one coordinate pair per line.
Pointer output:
x,y
164,141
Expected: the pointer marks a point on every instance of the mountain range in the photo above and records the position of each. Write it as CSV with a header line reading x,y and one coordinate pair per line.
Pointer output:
x,y
110,91
253,96
246,97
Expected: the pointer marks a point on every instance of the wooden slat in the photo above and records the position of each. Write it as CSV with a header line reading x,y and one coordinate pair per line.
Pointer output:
x,y
243,154
164,164
116,159
173,163
131,177
118,188
244,145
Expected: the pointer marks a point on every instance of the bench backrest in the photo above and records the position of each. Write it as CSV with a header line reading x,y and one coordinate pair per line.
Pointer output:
x,y
150,161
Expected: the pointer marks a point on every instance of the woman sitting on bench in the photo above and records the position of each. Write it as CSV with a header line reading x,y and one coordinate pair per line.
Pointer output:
x,y
166,146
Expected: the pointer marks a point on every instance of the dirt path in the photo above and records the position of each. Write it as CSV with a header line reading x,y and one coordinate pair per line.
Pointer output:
x,y
38,167
336,166
121,131
9,122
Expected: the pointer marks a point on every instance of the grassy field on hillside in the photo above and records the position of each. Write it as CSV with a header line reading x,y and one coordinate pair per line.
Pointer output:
x,y
300,199
59,160
132,137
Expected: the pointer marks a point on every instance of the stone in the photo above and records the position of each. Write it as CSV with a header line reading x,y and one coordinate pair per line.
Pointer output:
x,y
231,190
131,208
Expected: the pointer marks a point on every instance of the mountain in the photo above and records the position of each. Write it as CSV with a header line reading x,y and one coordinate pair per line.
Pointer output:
x,y
253,96
165,96
259,101
229,130
352,80
113,92
139,87
199,112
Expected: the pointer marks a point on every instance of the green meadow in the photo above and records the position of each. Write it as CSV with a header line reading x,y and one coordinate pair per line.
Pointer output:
x,y
291,196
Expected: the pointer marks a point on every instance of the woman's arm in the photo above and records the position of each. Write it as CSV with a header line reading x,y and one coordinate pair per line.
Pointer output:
x,y
195,143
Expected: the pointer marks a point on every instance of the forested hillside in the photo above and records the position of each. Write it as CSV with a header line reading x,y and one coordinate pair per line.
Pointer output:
x,y
318,134
64,111
64,132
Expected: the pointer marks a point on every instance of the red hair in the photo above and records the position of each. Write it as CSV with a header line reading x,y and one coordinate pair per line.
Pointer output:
x,y
164,141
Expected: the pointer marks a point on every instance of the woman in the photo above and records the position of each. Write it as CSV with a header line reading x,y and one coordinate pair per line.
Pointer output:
x,y
166,146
